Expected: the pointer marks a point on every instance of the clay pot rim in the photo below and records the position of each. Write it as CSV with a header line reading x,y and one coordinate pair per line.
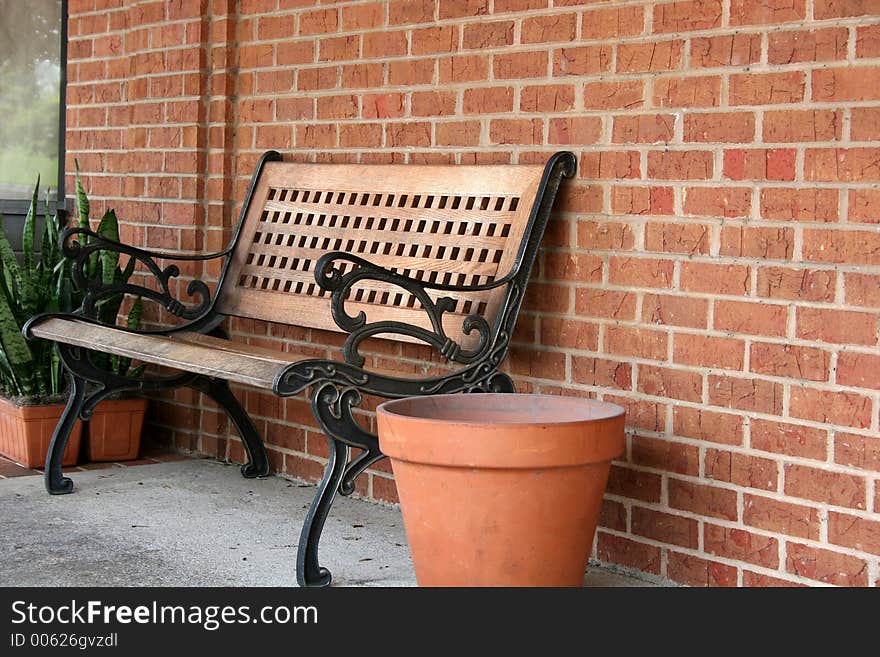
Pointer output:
x,y
389,408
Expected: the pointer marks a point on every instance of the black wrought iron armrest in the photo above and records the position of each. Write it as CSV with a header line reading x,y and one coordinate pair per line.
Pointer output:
x,y
331,278
199,312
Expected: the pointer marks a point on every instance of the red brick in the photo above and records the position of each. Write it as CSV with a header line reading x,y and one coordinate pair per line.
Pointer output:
x,y
634,484
758,579
458,68
741,545
796,284
751,318
654,56
575,334
865,123
612,23
757,242
642,413
694,571
599,372
610,165
384,44
687,92
363,17
702,499
728,50
759,164
575,130
671,310
545,29
367,135
665,527
536,364
745,394
677,238
433,103
612,516
687,15
799,204
802,126
715,279
638,343
643,128
670,383
640,272
854,532
807,46
862,289
790,439
837,326
548,298
488,100
714,427
708,351
627,94
717,201
841,165
825,486
825,566
680,165
781,517
837,84
864,206
789,361
516,131
582,60
858,370
321,21
438,39
458,133
488,35
748,12
843,408
401,12
548,98
609,304
580,267
734,127
642,200
868,41
742,469
619,550
767,88
338,107
665,455
824,9
531,64
857,451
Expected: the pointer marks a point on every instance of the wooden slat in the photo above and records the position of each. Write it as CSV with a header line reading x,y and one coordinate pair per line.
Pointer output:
x,y
319,189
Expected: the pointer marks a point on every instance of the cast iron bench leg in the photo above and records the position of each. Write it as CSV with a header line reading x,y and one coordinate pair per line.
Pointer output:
x,y
56,482
219,391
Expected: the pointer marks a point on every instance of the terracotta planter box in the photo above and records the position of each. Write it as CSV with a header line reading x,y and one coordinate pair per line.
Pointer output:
x,y
26,431
500,489
114,432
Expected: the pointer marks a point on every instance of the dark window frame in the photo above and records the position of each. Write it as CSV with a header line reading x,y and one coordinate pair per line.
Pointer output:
x,y
59,204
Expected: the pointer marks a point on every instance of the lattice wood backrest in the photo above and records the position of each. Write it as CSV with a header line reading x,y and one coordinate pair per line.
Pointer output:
x,y
446,224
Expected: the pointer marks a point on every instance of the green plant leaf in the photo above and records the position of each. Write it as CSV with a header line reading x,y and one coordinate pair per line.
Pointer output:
x,y
16,350
108,228
27,232
82,203
11,268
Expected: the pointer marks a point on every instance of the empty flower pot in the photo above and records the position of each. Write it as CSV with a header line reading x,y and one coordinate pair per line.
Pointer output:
x,y
500,489
114,430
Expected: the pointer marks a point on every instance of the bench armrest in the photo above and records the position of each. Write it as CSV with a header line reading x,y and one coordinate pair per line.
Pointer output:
x,y
330,277
83,251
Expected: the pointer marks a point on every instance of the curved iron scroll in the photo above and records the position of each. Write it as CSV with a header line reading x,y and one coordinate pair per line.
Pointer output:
x,y
95,289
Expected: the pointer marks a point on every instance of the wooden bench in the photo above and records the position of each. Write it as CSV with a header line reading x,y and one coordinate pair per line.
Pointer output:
x,y
429,254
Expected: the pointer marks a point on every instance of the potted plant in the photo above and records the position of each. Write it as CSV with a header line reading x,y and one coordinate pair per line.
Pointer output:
x,y
114,430
30,372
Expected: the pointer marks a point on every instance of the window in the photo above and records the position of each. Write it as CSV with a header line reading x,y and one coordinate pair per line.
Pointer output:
x,y
32,62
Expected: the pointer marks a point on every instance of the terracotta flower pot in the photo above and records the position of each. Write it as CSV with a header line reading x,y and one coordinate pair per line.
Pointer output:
x,y
500,489
114,432
26,431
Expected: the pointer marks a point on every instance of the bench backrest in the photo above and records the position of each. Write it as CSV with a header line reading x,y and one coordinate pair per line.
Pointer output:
x,y
447,224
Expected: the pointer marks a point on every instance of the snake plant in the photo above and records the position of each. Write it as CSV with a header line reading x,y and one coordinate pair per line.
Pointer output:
x,y
44,284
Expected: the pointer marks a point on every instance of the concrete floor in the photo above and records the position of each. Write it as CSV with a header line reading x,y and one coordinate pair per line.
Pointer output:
x,y
195,523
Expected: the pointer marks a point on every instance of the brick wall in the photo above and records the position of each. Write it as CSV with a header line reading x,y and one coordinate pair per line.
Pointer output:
x,y
715,266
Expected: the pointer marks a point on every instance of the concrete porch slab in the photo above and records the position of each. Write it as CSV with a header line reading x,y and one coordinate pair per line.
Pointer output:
x,y
196,523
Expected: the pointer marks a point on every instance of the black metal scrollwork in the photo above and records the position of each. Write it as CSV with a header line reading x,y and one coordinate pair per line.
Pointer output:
x,y
96,289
